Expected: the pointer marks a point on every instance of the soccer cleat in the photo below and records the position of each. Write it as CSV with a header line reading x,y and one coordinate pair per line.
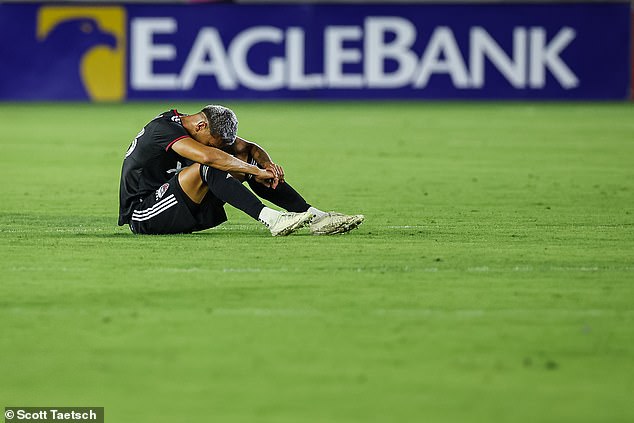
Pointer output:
x,y
333,223
288,223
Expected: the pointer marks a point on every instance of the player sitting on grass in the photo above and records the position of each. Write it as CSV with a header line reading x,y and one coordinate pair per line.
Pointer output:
x,y
180,170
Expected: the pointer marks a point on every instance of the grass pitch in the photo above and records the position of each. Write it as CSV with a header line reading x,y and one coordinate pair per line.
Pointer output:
x,y
491,282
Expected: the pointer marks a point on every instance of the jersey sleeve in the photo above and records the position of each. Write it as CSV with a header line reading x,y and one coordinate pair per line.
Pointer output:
x,y
167,133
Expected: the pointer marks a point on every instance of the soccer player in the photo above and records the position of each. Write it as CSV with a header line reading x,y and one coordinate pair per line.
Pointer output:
x,y
181,169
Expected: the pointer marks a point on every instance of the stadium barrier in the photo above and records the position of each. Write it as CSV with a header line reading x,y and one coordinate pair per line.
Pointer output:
x,y
124,52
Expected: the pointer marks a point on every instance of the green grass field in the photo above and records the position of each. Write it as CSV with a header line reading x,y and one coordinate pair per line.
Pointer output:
x,y
492,280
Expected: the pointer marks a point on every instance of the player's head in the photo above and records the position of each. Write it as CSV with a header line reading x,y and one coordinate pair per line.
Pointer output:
x,y
223,123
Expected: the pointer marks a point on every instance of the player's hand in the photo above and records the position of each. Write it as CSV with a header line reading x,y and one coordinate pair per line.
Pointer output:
x,y
276,170
267,178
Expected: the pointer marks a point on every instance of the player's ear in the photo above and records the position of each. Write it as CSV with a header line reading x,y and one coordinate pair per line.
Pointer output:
x,y
201,124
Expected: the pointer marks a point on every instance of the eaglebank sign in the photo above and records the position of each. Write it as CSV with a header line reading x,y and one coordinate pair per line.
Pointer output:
x,y
315,51
382,39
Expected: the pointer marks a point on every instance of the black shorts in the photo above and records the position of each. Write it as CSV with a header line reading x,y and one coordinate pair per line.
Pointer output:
x,y
166,211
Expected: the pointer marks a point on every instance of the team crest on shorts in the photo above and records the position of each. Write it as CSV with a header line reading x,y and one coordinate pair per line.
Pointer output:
x,y
161,191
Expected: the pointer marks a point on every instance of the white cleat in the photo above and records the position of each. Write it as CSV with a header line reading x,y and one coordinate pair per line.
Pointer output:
x,y
333,223
288,223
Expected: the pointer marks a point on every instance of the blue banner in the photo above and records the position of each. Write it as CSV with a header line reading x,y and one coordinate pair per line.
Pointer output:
x,y
226,51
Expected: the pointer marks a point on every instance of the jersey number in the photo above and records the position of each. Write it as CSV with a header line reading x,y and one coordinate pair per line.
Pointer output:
x,y
134,143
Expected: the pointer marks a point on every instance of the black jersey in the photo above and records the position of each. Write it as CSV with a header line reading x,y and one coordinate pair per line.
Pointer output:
x,y
150,161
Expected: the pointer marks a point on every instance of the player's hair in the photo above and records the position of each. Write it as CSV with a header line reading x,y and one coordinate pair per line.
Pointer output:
x,y
223,123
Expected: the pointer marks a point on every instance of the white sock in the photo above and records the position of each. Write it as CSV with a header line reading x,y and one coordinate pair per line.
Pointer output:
x,y
268,216
318,213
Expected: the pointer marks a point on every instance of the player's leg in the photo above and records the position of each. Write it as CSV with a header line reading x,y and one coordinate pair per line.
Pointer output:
x,y
323,223
198,180
192,184
168,210
284,196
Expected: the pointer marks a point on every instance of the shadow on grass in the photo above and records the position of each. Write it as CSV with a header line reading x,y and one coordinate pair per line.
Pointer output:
x,y
30,225
104,227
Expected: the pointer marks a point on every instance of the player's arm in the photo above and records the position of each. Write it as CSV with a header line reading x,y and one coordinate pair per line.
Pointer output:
x,y
210,156
244,148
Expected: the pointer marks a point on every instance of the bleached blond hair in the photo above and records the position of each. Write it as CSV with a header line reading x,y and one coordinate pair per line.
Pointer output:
x,y
223,123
